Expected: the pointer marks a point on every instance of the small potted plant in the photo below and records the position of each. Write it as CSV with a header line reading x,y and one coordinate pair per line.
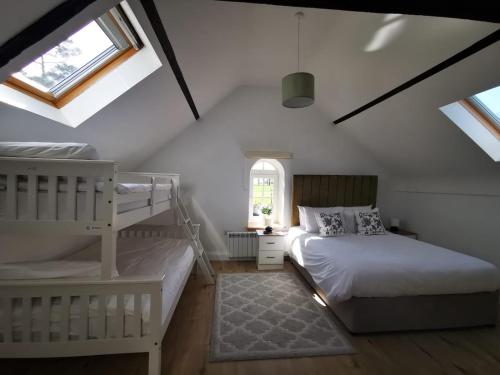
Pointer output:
x,y
267,211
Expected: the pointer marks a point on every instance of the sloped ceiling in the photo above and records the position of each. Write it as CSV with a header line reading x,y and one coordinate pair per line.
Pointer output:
x,y
17,14
221,46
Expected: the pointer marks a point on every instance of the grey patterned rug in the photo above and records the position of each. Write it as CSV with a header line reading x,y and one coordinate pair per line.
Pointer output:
x,y
270,315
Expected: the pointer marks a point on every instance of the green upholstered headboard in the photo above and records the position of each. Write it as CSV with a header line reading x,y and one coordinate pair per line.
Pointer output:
x,y
332,190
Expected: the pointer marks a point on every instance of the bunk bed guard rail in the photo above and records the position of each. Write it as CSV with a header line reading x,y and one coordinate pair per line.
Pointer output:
x,y
69,176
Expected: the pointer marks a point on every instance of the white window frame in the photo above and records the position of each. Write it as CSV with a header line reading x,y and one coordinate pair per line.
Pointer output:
x,y
485,111
277,202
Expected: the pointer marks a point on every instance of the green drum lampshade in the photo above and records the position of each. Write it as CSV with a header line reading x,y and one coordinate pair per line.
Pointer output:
x,y
298,90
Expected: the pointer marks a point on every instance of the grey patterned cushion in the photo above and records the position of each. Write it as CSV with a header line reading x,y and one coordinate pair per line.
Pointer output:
x,y
330,224
369,223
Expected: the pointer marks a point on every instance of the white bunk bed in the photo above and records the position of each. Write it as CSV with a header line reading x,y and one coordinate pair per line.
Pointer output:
x,y
122,310
81,197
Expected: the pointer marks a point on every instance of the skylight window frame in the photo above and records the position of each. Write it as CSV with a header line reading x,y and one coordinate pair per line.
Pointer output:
x,y
483,115
77,76
485,110
77,82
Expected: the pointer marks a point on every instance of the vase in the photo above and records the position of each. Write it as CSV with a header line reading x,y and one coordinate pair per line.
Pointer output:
x,y
268,221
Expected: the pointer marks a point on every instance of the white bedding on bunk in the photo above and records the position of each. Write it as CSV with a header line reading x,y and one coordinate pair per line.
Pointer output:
x,y
62,186
48,270
165,258
387,266
43,212
48,150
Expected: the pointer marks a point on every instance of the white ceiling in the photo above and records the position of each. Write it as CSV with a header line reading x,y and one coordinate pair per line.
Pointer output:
x,y
221,46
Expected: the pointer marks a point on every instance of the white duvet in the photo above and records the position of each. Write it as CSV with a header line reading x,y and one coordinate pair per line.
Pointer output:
x,y
387,266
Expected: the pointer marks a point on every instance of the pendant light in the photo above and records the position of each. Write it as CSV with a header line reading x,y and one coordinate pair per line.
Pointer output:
x,y
298,88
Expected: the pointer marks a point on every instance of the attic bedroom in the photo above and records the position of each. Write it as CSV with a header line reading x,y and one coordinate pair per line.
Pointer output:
x,y
243,187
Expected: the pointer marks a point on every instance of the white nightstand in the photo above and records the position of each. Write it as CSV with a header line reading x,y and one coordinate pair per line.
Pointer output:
x,y
271,250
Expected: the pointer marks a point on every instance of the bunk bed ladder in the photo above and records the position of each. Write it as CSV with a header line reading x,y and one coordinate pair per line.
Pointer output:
x,y
193,233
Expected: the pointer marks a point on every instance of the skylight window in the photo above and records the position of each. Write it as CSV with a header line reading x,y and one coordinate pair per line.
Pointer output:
x,y
86,47
488,102
55,75
479,117
87,71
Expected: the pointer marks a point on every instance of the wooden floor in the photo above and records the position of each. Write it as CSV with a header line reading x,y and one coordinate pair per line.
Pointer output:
x,y
186,345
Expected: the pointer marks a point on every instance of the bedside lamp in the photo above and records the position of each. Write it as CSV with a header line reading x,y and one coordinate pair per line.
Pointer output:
x,y
394,225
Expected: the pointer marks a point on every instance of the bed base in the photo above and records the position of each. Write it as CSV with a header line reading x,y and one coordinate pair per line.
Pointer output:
x,y
82,345
380,314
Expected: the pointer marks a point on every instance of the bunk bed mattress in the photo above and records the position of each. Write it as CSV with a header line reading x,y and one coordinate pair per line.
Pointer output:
x,y
43,211
168,259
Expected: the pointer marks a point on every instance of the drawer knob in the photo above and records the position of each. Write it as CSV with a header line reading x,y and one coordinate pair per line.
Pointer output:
x,y
270,243
270,257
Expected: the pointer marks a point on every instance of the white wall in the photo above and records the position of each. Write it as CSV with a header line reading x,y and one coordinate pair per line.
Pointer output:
x,y
462,214
209,155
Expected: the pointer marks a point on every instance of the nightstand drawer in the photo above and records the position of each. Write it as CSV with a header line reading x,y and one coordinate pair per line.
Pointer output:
x,y
271,257
271,243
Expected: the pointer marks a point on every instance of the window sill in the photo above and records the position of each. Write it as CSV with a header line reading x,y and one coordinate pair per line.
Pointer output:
x,y
254,226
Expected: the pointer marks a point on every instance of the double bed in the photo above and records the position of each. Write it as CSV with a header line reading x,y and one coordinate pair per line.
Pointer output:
x,y
387,282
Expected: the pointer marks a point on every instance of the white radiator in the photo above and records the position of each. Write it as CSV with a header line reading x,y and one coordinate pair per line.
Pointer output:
x,y
242,245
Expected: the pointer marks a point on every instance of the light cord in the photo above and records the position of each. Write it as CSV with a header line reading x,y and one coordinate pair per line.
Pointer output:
x,y
298,43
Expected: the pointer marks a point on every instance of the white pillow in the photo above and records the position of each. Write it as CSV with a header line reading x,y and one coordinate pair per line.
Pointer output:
x,y
311,225
302,216
349,220
330,224
47,150
369,223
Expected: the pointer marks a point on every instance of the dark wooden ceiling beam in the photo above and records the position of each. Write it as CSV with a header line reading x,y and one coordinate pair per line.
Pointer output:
x,y
479,10
155,20
41,28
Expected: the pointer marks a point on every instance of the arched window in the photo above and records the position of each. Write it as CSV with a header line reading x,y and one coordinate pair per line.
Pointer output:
x,y
266,191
